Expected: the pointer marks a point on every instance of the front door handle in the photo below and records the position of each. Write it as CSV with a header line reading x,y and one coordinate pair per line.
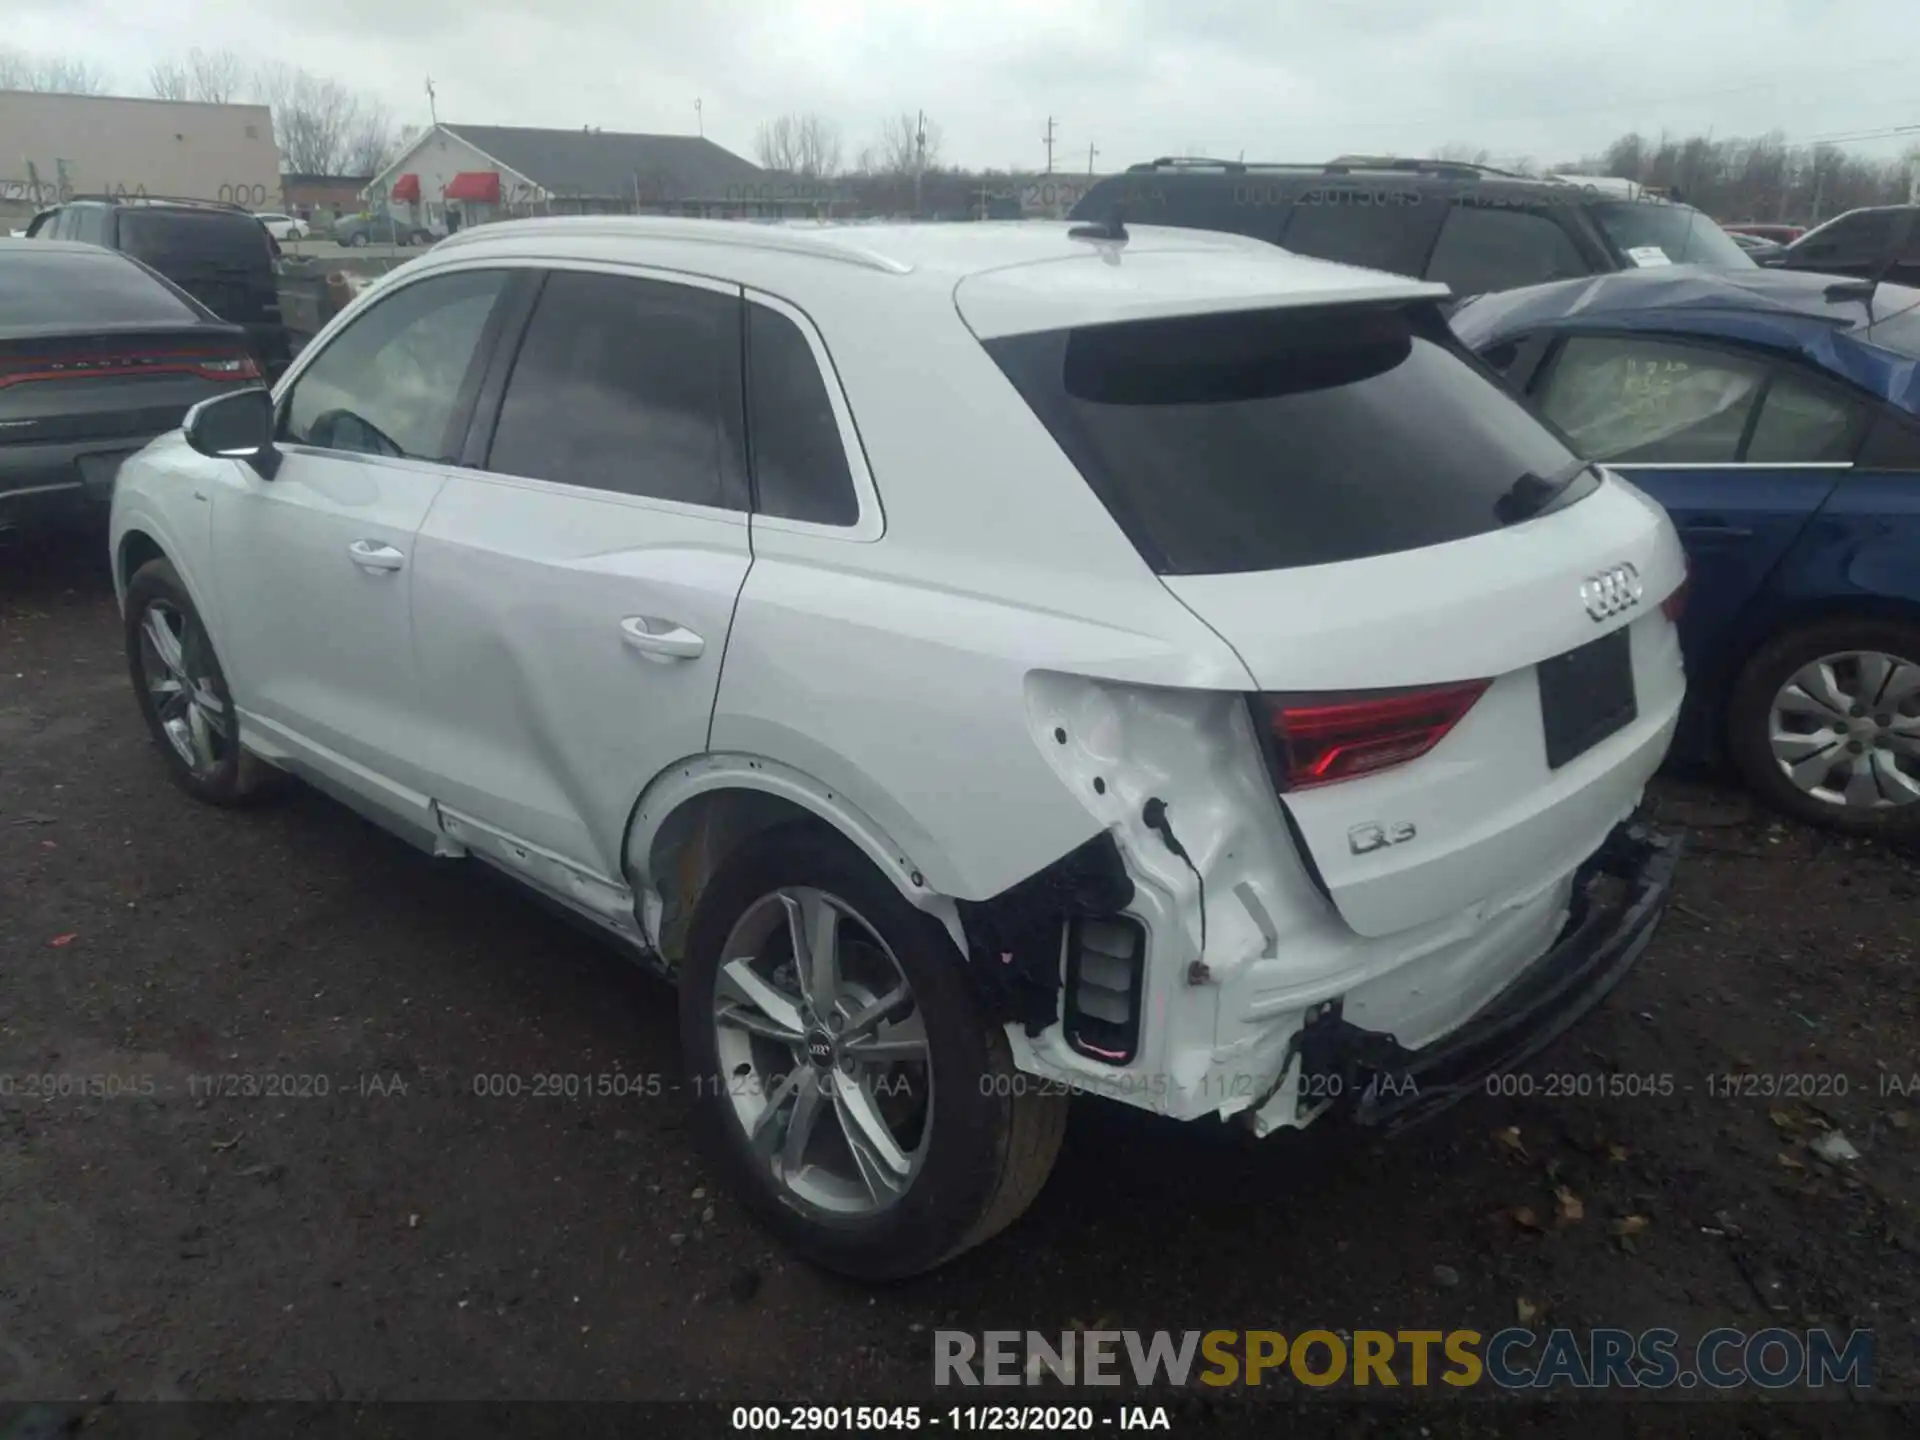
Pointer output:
x,y
1716,530
661,639
372,555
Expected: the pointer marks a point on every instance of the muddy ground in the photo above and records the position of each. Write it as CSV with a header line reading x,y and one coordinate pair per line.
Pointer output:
x,y
401,1237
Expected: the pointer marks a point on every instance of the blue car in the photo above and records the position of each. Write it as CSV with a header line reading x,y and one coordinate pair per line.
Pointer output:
x,y
1776,416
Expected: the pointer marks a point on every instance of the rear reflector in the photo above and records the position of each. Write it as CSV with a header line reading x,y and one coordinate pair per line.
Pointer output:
x,y
1675,605
1318,739
1106,967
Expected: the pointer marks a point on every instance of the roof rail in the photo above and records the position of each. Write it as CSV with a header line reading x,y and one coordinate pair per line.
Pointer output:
x,y
1346,164
789,239
189,200
1189,162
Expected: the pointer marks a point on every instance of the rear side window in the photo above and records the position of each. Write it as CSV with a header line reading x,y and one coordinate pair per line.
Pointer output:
x,y
1264,440
1484,248
44,286
626,385
1637,400
171,239
799,462
1381,226
1803,424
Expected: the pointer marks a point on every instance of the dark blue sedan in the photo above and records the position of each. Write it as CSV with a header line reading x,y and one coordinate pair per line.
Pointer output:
x,y
1776,415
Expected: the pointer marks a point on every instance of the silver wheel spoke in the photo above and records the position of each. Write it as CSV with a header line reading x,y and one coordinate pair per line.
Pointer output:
x,y
867,1017
1902,685
210,708
1811,773
1895,784
1862,791
883,1166
166,645
740,982
1903,736
903,1040
807,1104
1792,747
770,1126
1875,670
814,926
201,737
1820,683
1793,700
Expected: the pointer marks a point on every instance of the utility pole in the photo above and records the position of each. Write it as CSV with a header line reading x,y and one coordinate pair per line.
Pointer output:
x,y
699,119
433,111
1048,138
1091,152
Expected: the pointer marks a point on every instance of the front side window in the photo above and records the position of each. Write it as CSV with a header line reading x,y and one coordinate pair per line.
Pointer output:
x,y
625,384
1489,247
391,382
799,461
1802,424
1634,399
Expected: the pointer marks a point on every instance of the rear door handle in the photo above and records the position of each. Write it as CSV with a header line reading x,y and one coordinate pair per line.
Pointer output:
x,y
372,555
661,639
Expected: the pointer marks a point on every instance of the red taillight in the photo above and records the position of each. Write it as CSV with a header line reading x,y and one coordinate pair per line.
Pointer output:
x,y
1319,739
1675,605
224,365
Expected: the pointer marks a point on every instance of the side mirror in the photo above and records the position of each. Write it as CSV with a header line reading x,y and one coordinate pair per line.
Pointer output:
x,y
236,427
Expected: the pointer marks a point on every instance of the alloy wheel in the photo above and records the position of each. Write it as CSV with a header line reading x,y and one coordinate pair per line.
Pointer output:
x,y
823,1053
1845,729
186,702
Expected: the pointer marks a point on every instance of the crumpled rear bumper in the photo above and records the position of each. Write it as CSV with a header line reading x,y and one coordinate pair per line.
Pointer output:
x,y
1619,896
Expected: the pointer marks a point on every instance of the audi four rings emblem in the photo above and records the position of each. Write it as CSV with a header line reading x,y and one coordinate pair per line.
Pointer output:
x,y
1611,591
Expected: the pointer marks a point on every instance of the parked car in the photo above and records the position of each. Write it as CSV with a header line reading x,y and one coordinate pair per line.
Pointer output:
x,y
219,254
1470,227
903,638
98,354
1777,417
1859,242
1761,230
362,230
1762,250
284,227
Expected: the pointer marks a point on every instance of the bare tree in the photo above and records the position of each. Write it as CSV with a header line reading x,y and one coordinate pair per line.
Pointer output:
x,y
56,73
218,76
800,144
1462,153
314,119
903,147
372,141
169,80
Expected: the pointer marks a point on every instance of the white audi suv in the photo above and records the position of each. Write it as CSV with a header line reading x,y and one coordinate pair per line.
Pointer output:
x,y
978,663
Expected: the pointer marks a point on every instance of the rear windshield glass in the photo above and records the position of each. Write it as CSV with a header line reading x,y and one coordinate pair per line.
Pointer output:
x,y
167,239
44,286
1264,440
1656,232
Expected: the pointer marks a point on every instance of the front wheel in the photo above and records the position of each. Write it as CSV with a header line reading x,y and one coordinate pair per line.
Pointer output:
x,y
1824,724
183,693
849,1085
358,240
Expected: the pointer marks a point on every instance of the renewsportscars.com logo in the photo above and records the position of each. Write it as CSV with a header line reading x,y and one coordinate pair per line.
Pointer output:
x,y
1516,1358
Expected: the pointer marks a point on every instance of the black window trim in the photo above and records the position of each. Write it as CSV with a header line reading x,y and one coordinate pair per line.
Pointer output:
x,y
1546,359
490,393
871,522
460,422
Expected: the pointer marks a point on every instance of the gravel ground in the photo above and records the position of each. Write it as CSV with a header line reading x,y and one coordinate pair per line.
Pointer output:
x,y
404,1238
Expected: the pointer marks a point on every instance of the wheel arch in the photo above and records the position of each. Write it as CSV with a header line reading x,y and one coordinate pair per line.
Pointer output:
x,y
699,811
1760,631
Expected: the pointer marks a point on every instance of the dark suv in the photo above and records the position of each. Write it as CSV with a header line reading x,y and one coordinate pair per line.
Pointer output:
x,y
1471,227
219,254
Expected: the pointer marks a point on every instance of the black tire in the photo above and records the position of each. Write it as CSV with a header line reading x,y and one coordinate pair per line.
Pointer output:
x,y
358,240
1749,710
235,777
993,1140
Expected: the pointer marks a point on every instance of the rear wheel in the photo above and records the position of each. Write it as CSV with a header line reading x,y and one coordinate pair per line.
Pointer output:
x,y
183,693
1824,724
358,239
851,1088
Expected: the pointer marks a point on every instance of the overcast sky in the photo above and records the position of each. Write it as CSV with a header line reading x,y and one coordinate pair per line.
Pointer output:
x,y
1138,78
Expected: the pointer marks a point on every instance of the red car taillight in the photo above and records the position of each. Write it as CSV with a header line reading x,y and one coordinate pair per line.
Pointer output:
x,y
1675,605
1318,739
224,365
